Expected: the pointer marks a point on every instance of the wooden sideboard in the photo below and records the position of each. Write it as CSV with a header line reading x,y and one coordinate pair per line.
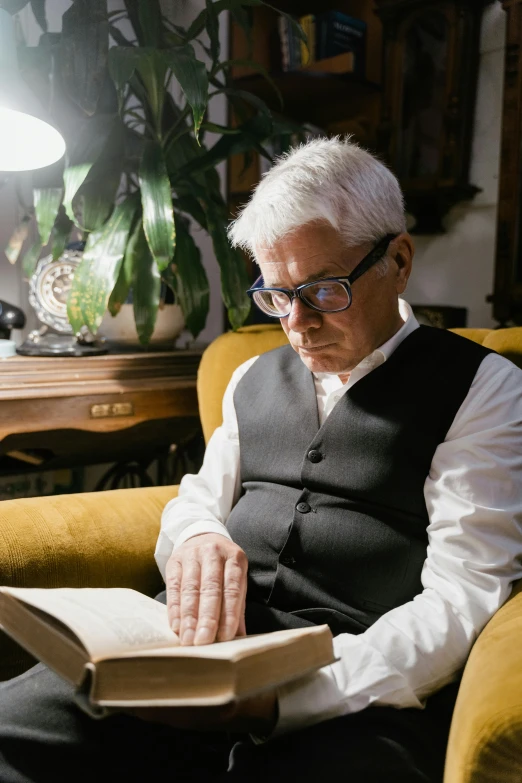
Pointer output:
x,y
59,412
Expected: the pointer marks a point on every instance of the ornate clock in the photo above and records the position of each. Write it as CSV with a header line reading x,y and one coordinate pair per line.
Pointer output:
x,y
49,289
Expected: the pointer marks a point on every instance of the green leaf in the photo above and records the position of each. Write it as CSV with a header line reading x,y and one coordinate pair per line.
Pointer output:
x,y
118,37
38,7
99,268
192,77
61,233
188,203
120,291
30,259
122,64
92,138
152,69
18,237
187,277
46,205
156,199
254,66
234,278
95,200
213,31
253,132
146,287
200,22
85,45
145,17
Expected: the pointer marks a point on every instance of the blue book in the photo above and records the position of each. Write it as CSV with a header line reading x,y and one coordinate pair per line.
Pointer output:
x,y
337,33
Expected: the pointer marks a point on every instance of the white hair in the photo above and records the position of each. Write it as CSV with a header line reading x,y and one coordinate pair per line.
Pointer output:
x,y
331,180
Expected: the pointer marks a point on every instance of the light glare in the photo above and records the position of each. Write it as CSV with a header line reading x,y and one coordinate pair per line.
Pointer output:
x,y
26,142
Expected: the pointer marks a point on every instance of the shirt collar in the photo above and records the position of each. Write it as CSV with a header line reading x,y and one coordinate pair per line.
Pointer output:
x,y
384,351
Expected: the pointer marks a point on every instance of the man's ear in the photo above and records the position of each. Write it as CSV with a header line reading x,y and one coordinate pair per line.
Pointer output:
x,y
403,249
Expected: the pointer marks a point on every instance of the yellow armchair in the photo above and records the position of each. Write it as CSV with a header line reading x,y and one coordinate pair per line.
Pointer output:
x,y
107,539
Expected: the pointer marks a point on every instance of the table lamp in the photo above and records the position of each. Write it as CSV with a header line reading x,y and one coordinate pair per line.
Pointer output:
x,y
27,139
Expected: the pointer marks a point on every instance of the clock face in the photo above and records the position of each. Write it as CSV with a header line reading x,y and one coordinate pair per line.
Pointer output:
x,y
55,285
50,287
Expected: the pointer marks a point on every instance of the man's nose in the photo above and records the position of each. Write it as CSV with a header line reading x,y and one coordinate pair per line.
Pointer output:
x,y
303,317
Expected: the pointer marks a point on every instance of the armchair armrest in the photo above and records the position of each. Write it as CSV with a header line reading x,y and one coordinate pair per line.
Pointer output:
x,y
98,539
485,742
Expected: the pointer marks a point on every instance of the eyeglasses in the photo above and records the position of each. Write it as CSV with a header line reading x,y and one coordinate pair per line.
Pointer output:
x,y
328,295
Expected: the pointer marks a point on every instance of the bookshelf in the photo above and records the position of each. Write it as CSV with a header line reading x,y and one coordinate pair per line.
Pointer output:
x,y
336,102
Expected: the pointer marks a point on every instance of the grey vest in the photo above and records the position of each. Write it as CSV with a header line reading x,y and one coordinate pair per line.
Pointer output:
x,y
333,518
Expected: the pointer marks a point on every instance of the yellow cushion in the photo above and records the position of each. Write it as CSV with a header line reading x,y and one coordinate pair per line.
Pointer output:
x,y
98,539
485,743
507,342
219,361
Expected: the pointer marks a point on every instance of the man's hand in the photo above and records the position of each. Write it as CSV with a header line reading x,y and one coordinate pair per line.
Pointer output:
x,y
257,715
206,581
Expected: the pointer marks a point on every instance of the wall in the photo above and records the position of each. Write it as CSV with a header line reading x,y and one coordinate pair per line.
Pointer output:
x,y
456,268
12,288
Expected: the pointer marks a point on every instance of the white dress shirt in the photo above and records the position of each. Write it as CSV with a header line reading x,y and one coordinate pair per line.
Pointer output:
x,y
473,495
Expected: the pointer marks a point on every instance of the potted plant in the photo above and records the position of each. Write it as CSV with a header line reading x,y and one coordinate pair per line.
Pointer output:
x,y
139,172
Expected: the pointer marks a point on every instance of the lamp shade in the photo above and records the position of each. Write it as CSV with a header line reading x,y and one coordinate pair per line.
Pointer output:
x,y
27,139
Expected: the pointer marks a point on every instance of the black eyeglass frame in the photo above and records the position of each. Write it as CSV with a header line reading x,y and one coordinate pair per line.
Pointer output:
x,y
375,255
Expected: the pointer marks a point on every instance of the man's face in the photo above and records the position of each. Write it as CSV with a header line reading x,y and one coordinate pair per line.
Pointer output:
x,y
336,342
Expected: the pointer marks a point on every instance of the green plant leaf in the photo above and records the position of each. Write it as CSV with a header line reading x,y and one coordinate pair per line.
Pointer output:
x,y
188,279
46,205
156,199
200,22
18,237
146,288
100,267
30,259
122,64
85,45
91,140
186,202
213,31
234,278
38,8
61,233
145,17
94,201
192,77
254,66
152,69
253,132
120,291
118,37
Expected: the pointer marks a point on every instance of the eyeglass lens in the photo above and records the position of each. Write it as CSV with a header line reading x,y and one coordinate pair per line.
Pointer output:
x,y
328,296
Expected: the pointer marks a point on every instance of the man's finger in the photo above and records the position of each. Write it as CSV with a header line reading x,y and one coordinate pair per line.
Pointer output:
x,y
234,592
189,599
173,585
210,598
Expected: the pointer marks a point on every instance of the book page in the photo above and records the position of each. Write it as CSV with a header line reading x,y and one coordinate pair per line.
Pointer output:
x,y
108,622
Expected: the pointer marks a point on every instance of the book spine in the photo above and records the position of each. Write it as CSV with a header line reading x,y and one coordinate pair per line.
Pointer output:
x,y
283,39
340,33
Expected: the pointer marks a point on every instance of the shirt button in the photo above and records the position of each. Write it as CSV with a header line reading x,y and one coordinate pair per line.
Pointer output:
x,y
314,455
337,398
288,561
304,508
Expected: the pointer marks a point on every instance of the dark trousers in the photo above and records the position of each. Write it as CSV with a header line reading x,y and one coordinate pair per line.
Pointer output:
x,y
45,738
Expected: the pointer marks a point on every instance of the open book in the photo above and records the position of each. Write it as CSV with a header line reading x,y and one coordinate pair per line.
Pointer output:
x,y
115,646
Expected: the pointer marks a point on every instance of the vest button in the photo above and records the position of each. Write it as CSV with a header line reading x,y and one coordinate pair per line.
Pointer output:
x,y
288,561
304,508
314,455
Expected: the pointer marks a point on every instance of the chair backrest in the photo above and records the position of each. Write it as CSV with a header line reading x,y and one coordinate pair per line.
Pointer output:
x,y
231,349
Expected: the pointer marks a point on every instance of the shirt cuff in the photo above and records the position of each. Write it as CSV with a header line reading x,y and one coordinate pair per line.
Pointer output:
x,y
198,528
308,700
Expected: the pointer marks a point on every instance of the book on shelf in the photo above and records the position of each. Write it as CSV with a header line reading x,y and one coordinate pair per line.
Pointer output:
x,y
115,646
329,35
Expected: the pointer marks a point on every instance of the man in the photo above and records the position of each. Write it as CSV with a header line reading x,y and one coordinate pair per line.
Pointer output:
x,y
367,475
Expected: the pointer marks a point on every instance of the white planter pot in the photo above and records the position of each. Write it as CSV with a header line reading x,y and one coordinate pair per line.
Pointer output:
x,y
122,329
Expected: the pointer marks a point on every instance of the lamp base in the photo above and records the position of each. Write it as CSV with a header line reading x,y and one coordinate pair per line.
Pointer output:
x,y
60,345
